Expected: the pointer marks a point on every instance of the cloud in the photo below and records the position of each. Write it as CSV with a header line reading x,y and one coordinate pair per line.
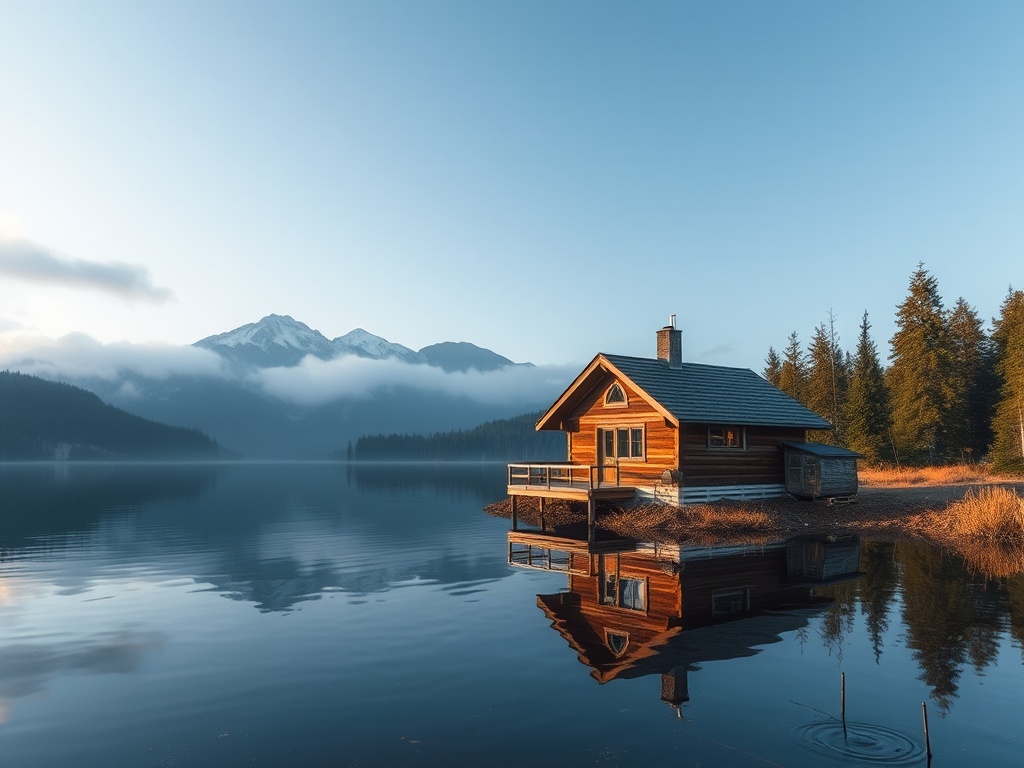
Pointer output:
x,y
27,668
77,356
315,382
25,260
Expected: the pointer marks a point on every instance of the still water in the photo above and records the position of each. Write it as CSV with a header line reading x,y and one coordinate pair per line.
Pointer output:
x,y
323,615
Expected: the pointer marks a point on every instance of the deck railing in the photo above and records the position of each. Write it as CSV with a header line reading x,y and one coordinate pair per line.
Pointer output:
x,y
563,475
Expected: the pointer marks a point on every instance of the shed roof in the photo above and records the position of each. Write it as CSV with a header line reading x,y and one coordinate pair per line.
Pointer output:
x,y
696,393
821,449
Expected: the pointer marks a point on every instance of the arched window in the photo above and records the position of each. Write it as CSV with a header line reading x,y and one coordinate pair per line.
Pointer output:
x,y
617,642
615,396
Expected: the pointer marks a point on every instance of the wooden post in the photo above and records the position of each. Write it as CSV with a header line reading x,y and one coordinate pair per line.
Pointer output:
x,y
515,517
542,513
591,519
927,743
842,695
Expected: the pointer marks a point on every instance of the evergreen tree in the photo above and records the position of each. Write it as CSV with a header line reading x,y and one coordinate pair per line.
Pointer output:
x,y
793,374
1008,425
919,377
773,367
827,381
867,406
972,379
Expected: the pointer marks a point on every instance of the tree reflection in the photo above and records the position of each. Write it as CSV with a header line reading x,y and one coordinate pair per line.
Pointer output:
x,y
877,587
952,618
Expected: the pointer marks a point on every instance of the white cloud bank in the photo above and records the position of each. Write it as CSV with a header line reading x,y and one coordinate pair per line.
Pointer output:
x,y
78,356
24,260
313,382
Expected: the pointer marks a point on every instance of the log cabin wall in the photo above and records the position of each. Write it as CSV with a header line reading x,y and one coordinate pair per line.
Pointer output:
x,y
760,461
660,444
763,576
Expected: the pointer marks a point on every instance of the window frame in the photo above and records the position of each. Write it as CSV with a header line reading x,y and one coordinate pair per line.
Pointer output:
x,y
725,429
632,437
616,387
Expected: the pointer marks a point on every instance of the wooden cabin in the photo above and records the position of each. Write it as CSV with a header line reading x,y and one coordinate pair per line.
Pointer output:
x,y
676,431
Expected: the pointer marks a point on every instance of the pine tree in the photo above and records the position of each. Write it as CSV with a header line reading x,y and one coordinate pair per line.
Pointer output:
x,y
867,405
919,377
793,374
972,378
773,367
827,381
1008,425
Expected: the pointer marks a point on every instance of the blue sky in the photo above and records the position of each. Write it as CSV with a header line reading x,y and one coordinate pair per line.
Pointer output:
x,y
546,179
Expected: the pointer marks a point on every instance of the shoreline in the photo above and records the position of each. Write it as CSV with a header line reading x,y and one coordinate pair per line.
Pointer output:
x,y
881,511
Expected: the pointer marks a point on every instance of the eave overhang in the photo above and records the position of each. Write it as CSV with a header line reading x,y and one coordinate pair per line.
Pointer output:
x,y
555,417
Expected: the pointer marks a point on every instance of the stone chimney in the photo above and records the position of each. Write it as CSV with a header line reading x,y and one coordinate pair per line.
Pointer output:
x,y
670,344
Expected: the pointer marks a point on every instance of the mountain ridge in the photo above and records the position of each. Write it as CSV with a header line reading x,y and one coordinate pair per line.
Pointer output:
x,y
282,341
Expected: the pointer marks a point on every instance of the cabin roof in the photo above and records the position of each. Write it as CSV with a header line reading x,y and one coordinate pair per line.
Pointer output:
x,y
694,393
823,450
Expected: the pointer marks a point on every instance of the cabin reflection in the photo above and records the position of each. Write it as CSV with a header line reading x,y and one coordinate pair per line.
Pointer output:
x,y
633,609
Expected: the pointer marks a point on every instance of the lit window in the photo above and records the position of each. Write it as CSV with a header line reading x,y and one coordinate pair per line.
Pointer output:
x,y
725,437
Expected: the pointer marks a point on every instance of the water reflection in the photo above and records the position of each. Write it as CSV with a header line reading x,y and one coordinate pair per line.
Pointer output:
x,y
632,609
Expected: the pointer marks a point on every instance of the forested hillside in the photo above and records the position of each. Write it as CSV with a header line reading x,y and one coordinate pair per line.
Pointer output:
x,y
512,439
42,419
953,390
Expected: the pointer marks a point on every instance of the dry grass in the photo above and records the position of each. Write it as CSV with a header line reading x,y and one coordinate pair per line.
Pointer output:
x,y
990,513
952,474
720,523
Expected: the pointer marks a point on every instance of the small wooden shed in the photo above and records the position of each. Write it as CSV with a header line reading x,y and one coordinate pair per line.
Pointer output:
x,y
817,470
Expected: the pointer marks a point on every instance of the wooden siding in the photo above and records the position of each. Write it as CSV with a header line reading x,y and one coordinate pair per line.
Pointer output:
x,y
591,414
759,462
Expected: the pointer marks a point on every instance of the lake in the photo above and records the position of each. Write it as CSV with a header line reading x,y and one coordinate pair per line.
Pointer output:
x,y
333,615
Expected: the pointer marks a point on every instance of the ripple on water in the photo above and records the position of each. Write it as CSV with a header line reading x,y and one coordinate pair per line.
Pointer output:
x,y
861,741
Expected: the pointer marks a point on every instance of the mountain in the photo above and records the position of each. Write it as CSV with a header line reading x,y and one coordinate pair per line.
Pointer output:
x,y
462,356
291,413
42,419
276,340
281,341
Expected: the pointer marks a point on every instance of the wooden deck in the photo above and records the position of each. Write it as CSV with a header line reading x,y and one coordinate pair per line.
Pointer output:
x,y
549,552
580,482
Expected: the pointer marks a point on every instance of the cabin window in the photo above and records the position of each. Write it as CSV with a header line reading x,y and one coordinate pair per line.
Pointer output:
x,y
617,642
624,592
622,443
726,437
615,396
730,602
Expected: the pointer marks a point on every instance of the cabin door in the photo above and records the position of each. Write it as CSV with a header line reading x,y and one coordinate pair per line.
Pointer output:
x,y
606,454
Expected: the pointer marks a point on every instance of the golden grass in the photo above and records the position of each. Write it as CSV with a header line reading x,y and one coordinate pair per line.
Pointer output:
x,y
952,474
989,513
986,528
705,524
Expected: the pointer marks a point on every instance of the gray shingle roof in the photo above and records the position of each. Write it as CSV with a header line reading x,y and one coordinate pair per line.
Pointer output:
x,y
823,450
714,394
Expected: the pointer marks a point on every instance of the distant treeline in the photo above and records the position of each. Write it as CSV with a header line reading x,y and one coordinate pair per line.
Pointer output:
x,y
512,439
45,420
952,391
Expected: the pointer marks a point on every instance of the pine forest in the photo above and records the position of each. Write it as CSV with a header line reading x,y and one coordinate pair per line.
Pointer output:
x,y
952,390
